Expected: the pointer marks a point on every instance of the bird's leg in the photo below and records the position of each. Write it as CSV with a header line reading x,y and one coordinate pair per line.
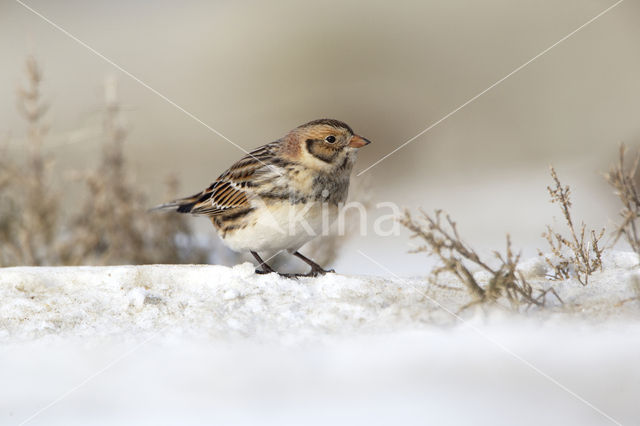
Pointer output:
x,y
315,268
266,269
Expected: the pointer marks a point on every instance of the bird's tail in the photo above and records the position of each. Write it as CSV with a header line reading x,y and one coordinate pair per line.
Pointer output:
x,y
181,205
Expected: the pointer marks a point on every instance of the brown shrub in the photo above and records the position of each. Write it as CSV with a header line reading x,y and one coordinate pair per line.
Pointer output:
x,y
574,253
623,180
112,225
441,239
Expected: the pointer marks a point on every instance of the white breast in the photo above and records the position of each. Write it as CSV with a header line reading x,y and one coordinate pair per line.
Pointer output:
x,y
282,226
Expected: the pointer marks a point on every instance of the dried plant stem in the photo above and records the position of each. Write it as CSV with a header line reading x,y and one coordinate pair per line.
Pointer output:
x,y
30,238
623,179
442,240
585,254
111,227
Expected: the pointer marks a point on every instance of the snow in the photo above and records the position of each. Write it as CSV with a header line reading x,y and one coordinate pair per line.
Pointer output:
x,y
201,344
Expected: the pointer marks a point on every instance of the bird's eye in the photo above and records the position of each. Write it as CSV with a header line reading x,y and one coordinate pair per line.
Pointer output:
x,y
330,139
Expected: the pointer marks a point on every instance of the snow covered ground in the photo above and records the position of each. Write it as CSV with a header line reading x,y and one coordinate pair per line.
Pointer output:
x,y
195,344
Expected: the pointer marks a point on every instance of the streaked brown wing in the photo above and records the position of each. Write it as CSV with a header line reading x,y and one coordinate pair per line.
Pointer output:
x,y
233,189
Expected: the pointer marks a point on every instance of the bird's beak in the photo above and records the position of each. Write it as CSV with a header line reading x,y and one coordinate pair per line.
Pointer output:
x,y
358,141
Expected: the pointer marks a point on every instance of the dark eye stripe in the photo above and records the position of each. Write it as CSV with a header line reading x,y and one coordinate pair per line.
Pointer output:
x,y
314,148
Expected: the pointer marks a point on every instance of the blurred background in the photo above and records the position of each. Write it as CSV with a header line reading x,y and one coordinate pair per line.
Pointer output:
x,y
253,70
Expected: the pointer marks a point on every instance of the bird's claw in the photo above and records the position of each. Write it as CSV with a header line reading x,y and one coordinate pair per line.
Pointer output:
x,y
314,272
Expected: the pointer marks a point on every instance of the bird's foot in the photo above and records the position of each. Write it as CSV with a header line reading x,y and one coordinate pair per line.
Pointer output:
x,y
315,272
294,276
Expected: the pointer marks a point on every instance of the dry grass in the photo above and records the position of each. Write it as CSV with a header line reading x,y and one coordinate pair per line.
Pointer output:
x,y
30,210
111,226
117,210
441,239
7,210
576,254
623,181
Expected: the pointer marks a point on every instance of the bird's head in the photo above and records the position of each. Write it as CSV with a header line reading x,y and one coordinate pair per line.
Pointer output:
x,y
325,144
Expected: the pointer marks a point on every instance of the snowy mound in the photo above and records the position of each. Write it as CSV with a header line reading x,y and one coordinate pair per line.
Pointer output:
x,y
218,301
194,344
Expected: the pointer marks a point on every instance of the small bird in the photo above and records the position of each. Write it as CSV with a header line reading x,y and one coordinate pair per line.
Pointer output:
x,y
280,195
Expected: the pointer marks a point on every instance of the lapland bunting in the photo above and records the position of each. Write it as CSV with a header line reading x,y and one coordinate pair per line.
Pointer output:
x,y
279,196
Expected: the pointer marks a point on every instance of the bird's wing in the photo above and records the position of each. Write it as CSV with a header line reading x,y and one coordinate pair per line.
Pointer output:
x,y
234,188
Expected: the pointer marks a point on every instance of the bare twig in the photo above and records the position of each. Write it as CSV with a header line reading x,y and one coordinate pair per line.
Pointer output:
x,y
622,179
111,227
34,207
442,240
577,253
